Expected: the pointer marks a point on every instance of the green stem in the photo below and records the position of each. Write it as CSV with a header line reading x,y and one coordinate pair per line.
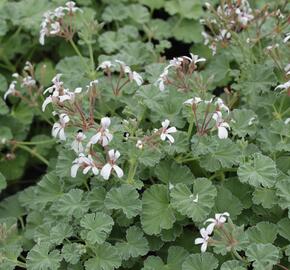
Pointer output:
x,y
132,171
189,131
78,52
33,153
91,56
34,143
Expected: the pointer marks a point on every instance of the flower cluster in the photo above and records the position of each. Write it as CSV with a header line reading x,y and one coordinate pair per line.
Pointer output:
x,y
216,222
54,23
125,72
230,16
204,126
182,66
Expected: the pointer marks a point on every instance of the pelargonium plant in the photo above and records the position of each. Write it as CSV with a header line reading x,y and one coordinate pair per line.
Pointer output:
x,y
146,162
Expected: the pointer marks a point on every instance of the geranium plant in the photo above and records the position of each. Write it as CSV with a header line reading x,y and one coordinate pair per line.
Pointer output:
x,y
145,162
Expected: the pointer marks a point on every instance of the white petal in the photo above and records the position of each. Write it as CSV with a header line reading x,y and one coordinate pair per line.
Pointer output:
x,y
171,130
86,169
210,228
198,241
163,136
62,135
95,138
222,132
95,171
203,247
118,171
74,170
106,171
165,123
105,122
170,138
111,154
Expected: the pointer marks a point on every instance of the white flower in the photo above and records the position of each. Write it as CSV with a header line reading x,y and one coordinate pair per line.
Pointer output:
x,y
105,65
134,76
103,135
251,121
139,144
110,165
11,90
85,162
287,121
58,12
170,186
28,82
71,7
55,28
217,221
163,78
285,86
166,131
58,128
77,145
204,240
221,125
286,38
192,101
175,62
124,67
15,75
194,58
220,103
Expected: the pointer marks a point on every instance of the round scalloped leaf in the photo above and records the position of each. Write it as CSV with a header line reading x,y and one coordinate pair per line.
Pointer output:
x,y
265,196
136,245
263,232
157,213
243,122
283,193
9,255
263,256
97,227
106,257
169,171
202,261
283,228
72,252
196,205
260,170
125,198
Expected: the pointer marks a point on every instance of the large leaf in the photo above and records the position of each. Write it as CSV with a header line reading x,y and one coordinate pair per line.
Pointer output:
x,y
157,213
125,198
259,170
196,205
263,256
263,232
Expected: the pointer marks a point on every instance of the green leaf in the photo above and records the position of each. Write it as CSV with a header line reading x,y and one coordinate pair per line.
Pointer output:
x,y
40,257
187,30
8,256
203,261
71,204
72,252
283,193
106,257
182,199
233,265
3,107
157,213
3,183
168,171
73,71
112,41
263,256
224,196
96,199
116,12
125,198
175,258
138,13
263,233
259,170
243,122
97,227
64,163
283,228
186,8
136,245
23,113
153,4
265,196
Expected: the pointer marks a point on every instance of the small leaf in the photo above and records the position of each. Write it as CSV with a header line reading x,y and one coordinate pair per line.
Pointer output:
x,y
203,261
97,227
259,170
265,196
72,252
125,198
263,256
157,213
263,232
